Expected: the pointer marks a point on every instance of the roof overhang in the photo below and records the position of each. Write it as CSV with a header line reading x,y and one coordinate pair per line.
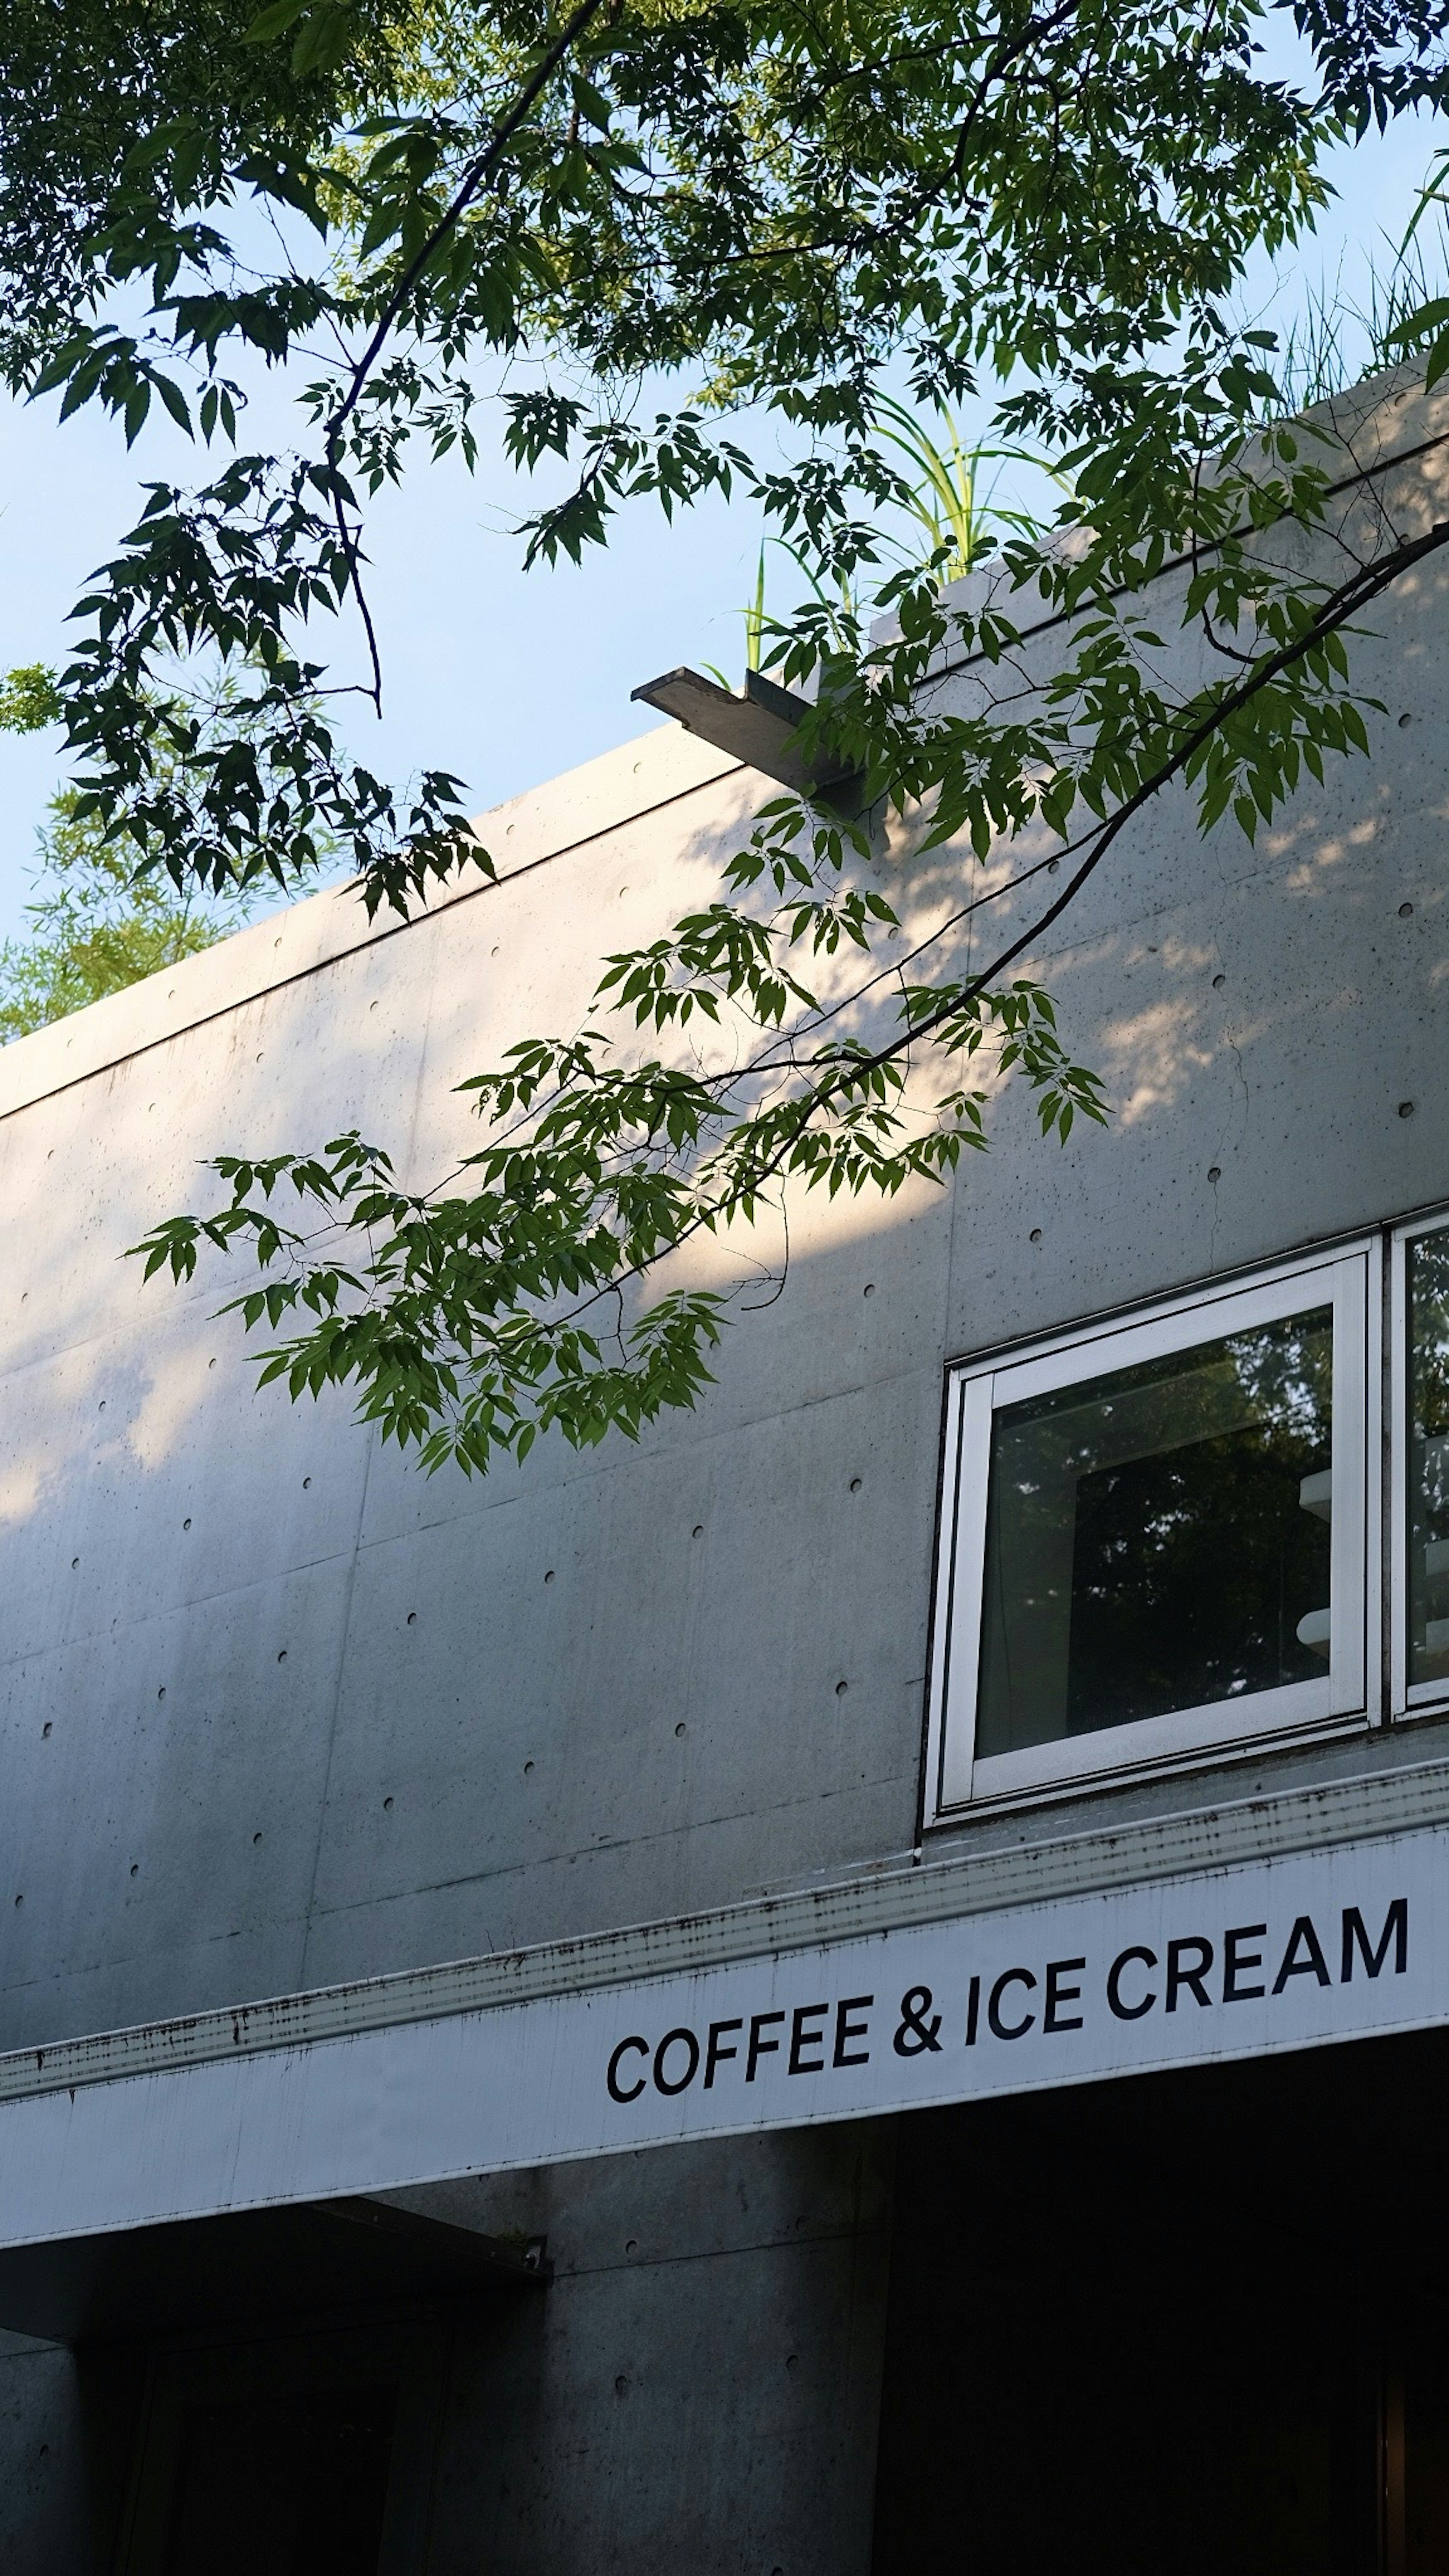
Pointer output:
x,y
758,725
321,2258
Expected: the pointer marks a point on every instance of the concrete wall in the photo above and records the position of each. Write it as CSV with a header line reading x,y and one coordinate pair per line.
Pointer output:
x,y
699,2387
278,1711
700,2383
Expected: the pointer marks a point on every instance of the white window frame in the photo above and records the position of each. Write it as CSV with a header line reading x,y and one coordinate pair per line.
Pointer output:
x,y
957,1781
1406,1698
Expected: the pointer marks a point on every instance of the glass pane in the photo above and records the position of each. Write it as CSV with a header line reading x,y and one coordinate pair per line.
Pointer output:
x,y
1159,1539
1429,1458
283,2487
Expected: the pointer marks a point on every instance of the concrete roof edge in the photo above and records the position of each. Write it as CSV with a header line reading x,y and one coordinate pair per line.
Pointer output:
x,y
581,804
1365,1807
546,822
1386,420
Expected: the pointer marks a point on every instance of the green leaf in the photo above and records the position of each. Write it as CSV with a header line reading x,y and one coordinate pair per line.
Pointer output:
x,y
597,108
274,20
326,37
174,400
1426,317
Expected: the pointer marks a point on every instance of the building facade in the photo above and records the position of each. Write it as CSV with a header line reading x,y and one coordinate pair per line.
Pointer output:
x,y
860,1984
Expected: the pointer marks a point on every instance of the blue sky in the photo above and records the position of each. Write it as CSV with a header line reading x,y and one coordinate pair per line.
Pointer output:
x,y
505,678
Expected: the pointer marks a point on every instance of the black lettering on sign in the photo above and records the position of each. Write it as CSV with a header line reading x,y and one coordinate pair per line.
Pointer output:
x,y
618,2091
1396,1928
1129,1959
1192,1977
1014,2029
825,2035
760,2047
846,2029
715,2050
916,2034
1057,1994
1237,1962
1312,1964
678,2083
802,2038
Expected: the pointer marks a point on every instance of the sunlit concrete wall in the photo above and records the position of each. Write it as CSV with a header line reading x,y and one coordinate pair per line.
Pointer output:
x,y
280,1710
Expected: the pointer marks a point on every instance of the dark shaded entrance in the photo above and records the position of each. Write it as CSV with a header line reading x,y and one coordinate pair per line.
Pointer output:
x,y
1179,2326
301,2452
262,2392
296,2483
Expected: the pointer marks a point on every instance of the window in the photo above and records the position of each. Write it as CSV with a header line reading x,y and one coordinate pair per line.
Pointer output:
x,y
1420,1497
1156,1537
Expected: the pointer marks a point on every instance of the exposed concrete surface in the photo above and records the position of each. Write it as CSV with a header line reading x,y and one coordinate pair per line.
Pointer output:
x,y
701,2383
279,1712
276,1712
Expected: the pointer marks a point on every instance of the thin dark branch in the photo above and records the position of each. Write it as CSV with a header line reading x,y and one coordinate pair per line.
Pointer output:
x,y
1335,613
474,178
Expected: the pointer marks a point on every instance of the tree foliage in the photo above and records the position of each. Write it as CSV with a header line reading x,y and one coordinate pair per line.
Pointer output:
x,y
93,929
687,246
94,926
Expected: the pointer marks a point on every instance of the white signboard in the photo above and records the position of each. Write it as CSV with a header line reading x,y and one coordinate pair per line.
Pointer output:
x,y
1288,1953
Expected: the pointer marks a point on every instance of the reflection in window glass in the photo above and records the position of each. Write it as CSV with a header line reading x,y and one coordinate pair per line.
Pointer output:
x,y
1159,1539
1429,1458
